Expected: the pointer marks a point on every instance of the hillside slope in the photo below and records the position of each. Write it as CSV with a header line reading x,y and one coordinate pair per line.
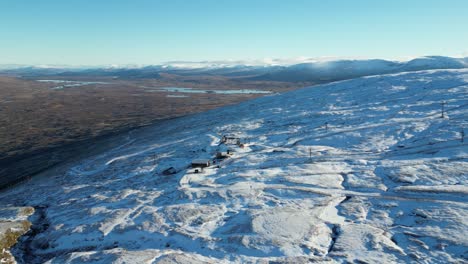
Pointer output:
x,y
321,72
360,170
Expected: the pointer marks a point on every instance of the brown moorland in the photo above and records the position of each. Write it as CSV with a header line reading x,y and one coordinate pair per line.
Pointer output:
x,y
41,126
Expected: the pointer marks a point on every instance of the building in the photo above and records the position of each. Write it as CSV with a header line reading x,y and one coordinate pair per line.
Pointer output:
x,y
230,140
201,163
223,154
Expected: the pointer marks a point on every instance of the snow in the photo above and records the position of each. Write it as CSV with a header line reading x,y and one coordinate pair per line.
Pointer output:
x,y
363,170
435,62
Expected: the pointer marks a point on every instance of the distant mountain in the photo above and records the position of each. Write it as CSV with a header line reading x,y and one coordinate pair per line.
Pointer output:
x,y
325,71
317,71
347,69
435,62
27,71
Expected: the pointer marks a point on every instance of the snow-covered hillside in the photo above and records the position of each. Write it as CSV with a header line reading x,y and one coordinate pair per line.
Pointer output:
x,y
321,71
364,170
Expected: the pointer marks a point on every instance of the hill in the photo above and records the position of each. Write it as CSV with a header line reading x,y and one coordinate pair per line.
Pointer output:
x,y
309,71
369,170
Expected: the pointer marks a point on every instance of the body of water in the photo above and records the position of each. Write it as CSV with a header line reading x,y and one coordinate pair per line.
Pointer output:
x,y
198,91
68,84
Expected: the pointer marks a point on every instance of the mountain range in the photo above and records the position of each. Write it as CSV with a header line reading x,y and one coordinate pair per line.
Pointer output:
x,y
318,71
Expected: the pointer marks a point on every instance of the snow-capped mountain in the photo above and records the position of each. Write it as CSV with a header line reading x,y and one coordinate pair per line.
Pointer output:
x,y
347,69
315,71
369,170
435,62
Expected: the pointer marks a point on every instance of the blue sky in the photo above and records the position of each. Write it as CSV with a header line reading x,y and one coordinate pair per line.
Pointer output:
x,y
96,32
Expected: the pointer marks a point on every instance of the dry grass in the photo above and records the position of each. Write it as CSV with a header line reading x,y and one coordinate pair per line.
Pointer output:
x,y
9,239
34,118
27,211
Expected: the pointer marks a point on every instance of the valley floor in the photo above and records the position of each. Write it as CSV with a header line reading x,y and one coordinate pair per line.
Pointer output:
x,y
363,171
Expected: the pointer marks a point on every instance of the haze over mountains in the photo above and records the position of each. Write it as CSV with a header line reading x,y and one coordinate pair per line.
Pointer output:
x,y
318,71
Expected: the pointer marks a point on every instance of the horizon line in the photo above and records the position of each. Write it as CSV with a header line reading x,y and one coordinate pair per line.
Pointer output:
x,y
225,63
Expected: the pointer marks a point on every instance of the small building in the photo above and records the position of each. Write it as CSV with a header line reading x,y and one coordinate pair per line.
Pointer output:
x,y
223,154
230,140
201,163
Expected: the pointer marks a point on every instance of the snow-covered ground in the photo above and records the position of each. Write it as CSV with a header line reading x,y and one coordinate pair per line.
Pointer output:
x,y
364,171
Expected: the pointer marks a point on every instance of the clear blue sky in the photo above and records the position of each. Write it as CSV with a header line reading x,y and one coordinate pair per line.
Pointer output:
x,y
94,32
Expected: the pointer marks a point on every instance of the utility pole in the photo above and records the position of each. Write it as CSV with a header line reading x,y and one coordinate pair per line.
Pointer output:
x,y
443,109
